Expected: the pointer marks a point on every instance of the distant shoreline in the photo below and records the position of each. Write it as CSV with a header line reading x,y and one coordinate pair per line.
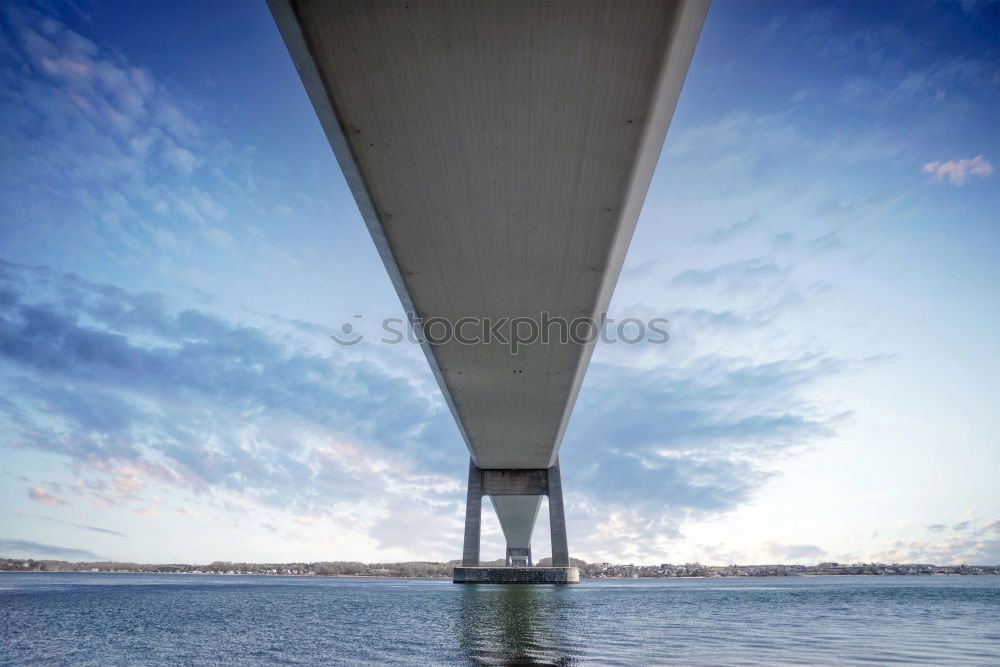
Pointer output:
x,y
443,577
395,576
439,570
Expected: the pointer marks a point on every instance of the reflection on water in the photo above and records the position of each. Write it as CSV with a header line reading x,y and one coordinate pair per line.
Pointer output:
x,y
515,624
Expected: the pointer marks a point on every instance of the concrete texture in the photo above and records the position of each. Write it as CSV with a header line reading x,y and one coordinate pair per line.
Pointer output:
x,y
516,575
517,516
519,557
473,516
515,482
557,519
500,153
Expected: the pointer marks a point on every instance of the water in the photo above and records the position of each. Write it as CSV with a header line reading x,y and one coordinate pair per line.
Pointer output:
x,y
55,618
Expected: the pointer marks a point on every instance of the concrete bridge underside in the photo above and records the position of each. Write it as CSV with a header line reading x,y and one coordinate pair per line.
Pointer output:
x,y
500,153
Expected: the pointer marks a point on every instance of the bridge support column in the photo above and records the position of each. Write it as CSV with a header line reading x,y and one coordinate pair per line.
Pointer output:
x,y
517,557
473,516
557,519
519,569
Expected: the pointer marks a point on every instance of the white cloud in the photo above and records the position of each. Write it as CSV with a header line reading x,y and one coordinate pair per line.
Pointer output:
x,y
180,158
807,553
957,172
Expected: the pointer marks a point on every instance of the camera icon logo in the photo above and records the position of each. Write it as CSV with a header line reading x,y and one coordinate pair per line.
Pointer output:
x,y
347,335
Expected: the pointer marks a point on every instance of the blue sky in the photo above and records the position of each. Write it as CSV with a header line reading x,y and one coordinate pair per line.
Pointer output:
x,y
177,244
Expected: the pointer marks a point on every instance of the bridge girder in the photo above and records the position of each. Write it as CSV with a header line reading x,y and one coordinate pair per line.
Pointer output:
x,y
499,153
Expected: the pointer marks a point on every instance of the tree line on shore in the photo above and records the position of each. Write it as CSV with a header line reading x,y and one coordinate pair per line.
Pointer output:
x,y
434,569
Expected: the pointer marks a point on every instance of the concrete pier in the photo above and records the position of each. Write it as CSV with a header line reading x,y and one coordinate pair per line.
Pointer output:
x,y
516,575
519,557
557,519
516,495
473,517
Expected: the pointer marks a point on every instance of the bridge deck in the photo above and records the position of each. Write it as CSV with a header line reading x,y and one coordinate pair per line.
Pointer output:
x,y
500,153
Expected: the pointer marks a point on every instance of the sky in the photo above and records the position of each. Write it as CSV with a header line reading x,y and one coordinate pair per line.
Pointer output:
x,y
177,244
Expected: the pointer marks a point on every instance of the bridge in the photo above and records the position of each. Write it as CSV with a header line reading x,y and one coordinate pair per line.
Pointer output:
x,y
499,153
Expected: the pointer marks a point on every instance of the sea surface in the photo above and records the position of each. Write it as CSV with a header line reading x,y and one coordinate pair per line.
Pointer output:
x,y
118,619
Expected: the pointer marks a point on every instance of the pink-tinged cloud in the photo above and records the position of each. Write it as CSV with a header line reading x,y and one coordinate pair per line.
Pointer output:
x,y
127,482
957,172
147,513
186,512
42,496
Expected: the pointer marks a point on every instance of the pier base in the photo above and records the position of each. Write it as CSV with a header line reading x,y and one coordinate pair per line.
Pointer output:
x,y
516,575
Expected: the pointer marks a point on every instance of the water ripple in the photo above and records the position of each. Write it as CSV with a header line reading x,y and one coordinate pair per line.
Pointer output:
x,y
53,618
